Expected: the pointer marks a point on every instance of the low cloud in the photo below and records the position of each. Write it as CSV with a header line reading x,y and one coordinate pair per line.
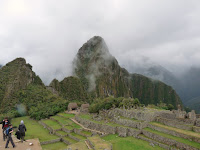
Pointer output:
x,y
49,33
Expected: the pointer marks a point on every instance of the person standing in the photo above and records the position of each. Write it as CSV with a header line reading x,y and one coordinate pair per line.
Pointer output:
x,y
9,132
22,130
5,124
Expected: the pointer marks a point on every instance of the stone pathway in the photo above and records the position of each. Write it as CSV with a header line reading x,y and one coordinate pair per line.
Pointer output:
x,y
86,128
20,146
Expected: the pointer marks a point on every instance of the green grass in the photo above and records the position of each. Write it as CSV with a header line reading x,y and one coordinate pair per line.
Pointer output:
x,y
80,146
75,126
190,133
70,140
67,115
99,143
53,124
86,132
68,127
85,116
55,146
34,129
129,143
80,137
178,139
61,133
62,120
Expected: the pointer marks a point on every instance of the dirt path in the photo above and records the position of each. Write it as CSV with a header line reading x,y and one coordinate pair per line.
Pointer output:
x,y
20,146
86,128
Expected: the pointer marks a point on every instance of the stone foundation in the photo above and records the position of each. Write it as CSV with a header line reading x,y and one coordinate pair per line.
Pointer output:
x,y
50,142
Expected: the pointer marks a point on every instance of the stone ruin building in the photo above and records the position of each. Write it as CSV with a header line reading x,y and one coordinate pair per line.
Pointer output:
x,y
85,108
72,106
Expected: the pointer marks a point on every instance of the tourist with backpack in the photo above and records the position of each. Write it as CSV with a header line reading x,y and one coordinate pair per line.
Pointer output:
x,y
22,130
5,124
9,132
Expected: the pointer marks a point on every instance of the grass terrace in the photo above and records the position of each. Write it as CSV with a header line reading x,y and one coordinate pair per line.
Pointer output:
x,y
88,117
34,129
53,124
61,133
186,132
69,139
55,146
80,146
178,139
66,115
129,143
86,133
78,136
99,143
62,120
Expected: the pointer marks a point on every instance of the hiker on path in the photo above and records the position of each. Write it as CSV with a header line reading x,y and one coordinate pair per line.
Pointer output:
x,y
22,130
9,132
5,124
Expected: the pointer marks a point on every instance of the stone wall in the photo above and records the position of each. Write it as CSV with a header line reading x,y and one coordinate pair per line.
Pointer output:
x,y
66,142
173,123
66,130
174,133
198,122
196,129
130,123
167,141
157,143
121,131
51,131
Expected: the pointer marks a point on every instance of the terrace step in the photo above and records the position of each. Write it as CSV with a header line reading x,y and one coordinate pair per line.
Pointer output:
x,y
167,139
143,137
190,135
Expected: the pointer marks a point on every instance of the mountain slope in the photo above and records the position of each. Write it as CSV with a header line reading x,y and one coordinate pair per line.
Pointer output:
x,y
102,76
194,104
70,88
21,86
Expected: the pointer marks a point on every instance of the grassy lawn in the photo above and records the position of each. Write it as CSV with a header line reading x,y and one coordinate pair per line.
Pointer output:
x,y
69,127
129,143
99,143
80,146
53,124
86,133
34,129
62,120
178,139
55,146
78,136
69,140
190,133
61,133
67,115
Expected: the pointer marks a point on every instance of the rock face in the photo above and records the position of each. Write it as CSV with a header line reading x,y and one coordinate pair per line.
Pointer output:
x,y
102,76
15,76
69,88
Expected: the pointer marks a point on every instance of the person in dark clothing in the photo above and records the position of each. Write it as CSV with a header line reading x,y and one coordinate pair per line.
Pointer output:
x,y
5,123
9,133
18,135
22,130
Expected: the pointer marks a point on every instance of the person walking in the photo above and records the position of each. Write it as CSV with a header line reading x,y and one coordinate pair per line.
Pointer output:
x,y
5,124
9,132
22,130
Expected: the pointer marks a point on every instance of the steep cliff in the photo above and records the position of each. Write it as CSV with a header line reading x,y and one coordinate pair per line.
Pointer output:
x,y
70,88
102,76
20,85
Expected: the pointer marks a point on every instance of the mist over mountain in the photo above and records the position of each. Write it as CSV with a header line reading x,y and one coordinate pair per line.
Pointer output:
x,y
186,84
102,76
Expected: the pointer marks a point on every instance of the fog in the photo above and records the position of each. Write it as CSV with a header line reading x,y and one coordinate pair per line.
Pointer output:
x,y
49,33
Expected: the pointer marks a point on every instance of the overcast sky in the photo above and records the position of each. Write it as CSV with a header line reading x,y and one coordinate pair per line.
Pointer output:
x,y
48,33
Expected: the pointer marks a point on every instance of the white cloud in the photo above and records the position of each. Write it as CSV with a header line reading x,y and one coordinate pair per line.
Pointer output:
x,y
49,33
